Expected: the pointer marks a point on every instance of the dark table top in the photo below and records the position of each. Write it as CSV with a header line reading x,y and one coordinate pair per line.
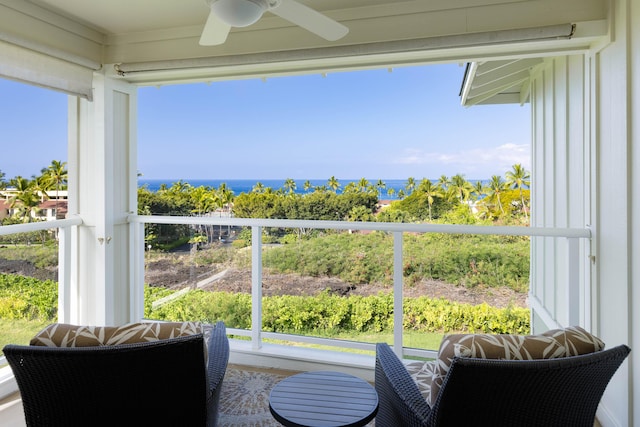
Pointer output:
x,y
323,398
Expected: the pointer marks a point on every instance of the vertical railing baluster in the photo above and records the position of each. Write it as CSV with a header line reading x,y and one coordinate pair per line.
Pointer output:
x,y
256,287
136,292
64,275
573,282
398,311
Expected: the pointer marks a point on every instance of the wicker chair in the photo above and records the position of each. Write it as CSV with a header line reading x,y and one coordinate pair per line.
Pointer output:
x,y
161,382
549,392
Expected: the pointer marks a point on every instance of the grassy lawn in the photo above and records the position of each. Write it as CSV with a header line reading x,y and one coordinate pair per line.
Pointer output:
x,y
21,331
414,339
18,331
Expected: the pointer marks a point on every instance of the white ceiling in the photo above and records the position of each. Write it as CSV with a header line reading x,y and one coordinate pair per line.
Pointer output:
x,y
157,40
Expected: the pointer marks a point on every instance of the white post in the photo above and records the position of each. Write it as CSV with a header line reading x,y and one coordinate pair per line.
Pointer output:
x,y
136,289
256,287
103,192
574,294
65,257
398,317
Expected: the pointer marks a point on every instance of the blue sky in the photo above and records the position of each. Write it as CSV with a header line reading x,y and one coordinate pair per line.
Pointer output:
x,y
375,124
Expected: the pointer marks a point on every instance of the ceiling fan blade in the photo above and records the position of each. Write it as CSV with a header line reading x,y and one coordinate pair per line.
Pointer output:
x,y
310,20
215,31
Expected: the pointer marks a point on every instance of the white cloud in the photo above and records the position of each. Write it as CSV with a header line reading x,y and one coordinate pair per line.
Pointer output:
x,y
486,160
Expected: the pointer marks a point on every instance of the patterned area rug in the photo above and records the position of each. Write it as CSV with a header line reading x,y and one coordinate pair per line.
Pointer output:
x,y
244,398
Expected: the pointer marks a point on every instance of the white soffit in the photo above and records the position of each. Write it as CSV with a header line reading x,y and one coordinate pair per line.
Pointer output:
x,y
497,82
507,81
531,42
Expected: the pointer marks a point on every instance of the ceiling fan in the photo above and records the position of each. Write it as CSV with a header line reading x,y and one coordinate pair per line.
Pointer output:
x,y
225,14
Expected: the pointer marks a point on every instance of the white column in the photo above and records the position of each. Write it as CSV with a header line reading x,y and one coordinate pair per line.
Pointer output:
x,y
103,191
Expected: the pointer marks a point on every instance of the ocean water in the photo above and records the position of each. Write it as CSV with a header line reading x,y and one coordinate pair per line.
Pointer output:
x,y
239,186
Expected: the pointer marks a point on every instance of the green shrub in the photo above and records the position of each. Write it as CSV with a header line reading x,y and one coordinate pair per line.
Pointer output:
x,y
368,258
324,314
28,298
327,314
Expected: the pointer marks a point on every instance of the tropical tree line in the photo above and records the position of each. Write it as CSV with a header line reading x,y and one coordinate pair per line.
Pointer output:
x,y
451,200
447,199
27,194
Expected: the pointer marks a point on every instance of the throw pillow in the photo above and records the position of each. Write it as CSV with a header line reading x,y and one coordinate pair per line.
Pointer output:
x,y
571,341
66,335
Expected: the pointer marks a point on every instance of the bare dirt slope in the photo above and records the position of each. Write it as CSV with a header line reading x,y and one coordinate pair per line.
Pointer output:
x,y
174,272
170,274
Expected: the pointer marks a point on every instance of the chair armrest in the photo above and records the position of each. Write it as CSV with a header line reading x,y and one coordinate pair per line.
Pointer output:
x,y
400,400
218,350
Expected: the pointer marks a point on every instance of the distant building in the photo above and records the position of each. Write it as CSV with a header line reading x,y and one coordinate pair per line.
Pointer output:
x,y
4,209
54,205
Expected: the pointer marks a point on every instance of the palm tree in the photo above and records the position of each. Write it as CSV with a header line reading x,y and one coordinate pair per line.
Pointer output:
x,y
307,185
479,190
391,191
461,188
203,201
26,199
496,186
226,195
258,188
180,187
380,185
363,185
3,184
410,185
57,173
431,191
333,184
289,185
519,178
225,198
42,185
443,182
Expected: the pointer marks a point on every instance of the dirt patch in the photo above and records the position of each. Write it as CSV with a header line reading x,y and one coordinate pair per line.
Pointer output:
x,y
27,268
175,273
171,274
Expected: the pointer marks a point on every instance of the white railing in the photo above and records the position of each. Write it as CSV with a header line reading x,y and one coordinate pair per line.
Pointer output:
x,y
67,226
61,224
256,334
64,227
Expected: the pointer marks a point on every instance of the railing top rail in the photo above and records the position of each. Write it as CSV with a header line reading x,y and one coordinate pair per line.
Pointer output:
x,y
40,225
379,226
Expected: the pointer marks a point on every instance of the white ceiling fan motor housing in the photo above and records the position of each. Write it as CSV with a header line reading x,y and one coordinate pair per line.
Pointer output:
x,y
239,13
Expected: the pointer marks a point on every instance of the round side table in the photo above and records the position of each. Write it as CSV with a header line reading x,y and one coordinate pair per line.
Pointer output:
x,y
323,399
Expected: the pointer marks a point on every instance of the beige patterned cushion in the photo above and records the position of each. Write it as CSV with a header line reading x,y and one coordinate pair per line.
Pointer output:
x,y
571,341
65,335
422,374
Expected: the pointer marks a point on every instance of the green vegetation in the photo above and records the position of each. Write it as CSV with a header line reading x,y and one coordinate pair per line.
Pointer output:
x,y
43,256
27,298
330,315
27,304
358,258
368,258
